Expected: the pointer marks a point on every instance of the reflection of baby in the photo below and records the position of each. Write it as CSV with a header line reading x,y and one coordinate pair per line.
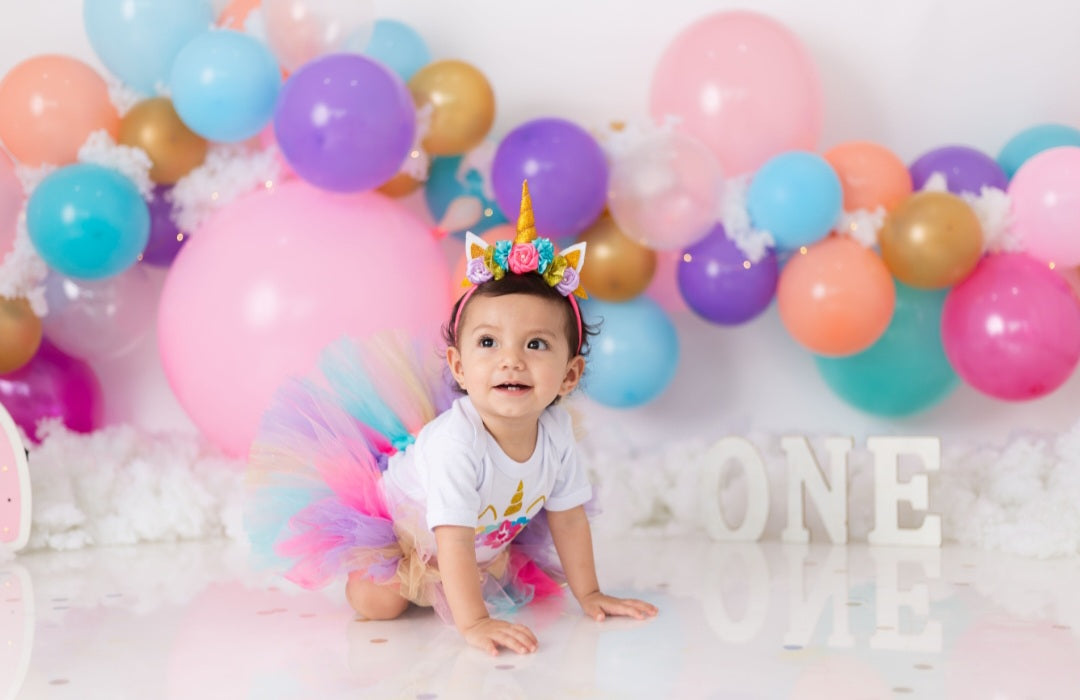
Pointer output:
x,y
14,486
16,627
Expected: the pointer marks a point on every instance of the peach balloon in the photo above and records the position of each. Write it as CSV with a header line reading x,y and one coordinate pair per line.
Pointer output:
x,y
871,175
20,334
49,105
836,297
931,241
617,268
236,13
502,232
400,185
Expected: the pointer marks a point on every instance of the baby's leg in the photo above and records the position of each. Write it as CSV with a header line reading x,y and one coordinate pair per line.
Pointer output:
x,y
373,601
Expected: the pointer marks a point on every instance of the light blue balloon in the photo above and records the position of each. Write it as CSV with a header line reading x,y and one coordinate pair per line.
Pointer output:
x,y
225,85
87,221
444,185
635,356
138,40
399,47
1035,140
906,370
795,196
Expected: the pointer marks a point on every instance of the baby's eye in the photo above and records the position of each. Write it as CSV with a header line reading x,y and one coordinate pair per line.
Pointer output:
x,y
487,342
538,344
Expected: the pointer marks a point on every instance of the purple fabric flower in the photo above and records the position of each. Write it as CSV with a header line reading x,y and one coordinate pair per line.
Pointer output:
x,y
477,271
569,282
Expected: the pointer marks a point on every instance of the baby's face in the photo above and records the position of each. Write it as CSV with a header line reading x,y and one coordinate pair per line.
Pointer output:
x,y
513,357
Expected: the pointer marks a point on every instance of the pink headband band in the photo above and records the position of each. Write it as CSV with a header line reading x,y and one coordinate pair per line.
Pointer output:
x,y
573,305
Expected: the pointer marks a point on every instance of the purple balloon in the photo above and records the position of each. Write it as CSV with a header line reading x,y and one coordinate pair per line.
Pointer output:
x,y
165,239
52,385
719,284
965,170
566,170
345,122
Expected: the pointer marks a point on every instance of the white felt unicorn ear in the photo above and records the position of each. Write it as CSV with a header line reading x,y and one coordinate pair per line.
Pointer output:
x,y
575,255
474,246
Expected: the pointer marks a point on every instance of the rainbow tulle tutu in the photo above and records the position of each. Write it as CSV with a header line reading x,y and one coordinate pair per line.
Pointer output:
x,y
317,507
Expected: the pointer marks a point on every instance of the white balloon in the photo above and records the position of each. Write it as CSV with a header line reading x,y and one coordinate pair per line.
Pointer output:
x,y
299,30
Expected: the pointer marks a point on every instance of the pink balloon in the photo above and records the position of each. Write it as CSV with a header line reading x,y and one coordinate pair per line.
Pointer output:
x,y
11,202
664,288
53,385
742,83
273,278
1012,328
1045,194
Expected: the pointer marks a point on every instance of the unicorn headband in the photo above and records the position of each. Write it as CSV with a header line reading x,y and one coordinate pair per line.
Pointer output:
x,y
526,254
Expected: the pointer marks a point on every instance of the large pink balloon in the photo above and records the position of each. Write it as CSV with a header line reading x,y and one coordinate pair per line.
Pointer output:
x,y
1012,328
1045,195
274,277
742,83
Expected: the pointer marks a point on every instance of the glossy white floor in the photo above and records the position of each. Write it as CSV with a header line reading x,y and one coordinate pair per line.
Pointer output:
x,y
736,621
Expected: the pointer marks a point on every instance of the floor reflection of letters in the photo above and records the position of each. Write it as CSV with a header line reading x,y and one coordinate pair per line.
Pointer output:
x,y
16,627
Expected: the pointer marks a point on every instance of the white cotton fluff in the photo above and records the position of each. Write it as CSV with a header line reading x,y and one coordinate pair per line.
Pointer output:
x,y
735,217
23,272
130,161
228,172
862,225
120,486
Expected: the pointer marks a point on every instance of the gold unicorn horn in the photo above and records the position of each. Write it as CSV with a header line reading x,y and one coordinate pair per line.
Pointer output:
x,y
526,225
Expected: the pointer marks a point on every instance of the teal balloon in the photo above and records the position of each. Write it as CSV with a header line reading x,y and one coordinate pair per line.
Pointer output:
x,y
635,356
399,47
906,370
138,40
225,85
445,184
1035,140
87,221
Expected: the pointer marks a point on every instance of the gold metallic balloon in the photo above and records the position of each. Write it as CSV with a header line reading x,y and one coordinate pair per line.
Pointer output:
x,y
174,149
399,186
617,268
463,105
931,240
20,334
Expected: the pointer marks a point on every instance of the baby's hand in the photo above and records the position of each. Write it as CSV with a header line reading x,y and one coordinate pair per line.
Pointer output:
x,y
490,634
597,606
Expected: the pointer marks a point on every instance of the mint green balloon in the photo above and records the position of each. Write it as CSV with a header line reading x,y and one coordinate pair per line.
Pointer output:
x,y
906,370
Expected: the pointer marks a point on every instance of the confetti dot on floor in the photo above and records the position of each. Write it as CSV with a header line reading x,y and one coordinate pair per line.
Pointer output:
x,y
379,640
923,667
505,667
12,600
854,603
901,690
59,681
969,566
886,628
1062,627
961,583
792,647
426,696
60,607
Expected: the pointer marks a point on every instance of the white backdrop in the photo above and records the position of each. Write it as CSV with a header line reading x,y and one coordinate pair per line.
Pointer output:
x,y
912,76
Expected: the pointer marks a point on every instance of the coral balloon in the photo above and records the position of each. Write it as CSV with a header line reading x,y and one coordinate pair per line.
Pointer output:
x,y
235,14
871,175
11,202
743,84
99,319
53,385
837,298
1045,196
932,240
1012,329
664,190
49,105
721,285
274,277
20,334
462,104
154,126
299,31
618,267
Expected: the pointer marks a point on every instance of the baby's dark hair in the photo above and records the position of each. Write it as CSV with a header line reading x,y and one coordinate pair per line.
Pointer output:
x,y
533,285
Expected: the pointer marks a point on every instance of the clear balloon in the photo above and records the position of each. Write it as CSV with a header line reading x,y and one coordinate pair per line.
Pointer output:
x,y
102,319
53,385
566,170
138,41
721,285
1012,329
225,85
345,123
664,190
462,105
49,105
155,127
618,267
932,240
399,47
299,31
906,370
743,84
273,278
796,197
166,239
966,169
635,356
11,203
88,221
1045,195
1033,141
871,175
836,298
20,334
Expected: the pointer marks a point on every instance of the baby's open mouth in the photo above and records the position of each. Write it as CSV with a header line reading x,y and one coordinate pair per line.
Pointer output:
x,y
513,387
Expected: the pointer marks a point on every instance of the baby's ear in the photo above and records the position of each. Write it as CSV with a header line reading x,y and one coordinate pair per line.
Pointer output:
x,y
574,369
453,361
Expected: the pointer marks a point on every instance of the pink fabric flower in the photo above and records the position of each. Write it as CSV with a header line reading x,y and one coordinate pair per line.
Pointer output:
x,y
523,258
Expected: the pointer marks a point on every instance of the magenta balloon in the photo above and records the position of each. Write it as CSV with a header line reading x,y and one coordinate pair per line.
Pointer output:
x,y
53,385
1012,328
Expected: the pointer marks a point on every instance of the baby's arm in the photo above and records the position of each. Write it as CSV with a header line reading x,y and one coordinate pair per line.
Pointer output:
x,y
461,583
573,541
